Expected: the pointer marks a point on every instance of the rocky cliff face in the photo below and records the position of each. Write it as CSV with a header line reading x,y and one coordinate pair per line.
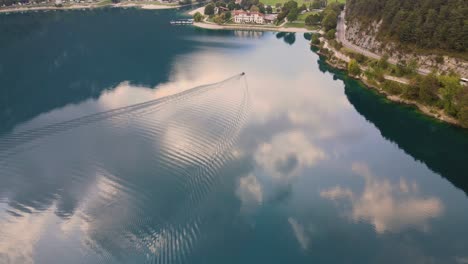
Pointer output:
x,y
365,37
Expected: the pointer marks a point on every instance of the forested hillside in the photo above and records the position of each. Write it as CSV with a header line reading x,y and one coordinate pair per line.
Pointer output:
x,y
431,24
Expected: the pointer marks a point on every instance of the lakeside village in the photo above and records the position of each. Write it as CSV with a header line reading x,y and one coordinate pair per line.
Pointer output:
x,y
290,14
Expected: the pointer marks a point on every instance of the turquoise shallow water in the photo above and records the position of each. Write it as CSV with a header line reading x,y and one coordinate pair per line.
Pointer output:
x,y
108,154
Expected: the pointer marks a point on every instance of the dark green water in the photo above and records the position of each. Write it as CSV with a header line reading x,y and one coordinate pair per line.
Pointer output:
x,y
291,163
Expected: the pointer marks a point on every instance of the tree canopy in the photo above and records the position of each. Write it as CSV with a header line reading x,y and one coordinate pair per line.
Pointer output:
x,y
198,17
353,68
440,24
209,9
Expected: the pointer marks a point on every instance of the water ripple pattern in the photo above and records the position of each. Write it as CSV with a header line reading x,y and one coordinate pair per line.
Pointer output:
x,y
147,201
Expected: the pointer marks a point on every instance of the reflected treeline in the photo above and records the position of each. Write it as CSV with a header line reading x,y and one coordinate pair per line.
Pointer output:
x,y
51,59
443,148
288,38
307,36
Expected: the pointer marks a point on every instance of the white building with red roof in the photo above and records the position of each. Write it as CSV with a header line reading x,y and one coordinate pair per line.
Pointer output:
x,y
241,16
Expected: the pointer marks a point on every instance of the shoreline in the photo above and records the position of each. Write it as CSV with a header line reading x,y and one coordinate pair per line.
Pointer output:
x,y
145,5
213,26
340,64
336,59
194,11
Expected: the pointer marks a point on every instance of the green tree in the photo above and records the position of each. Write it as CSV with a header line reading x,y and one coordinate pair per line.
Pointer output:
x,y
463,105
330,34
292,15
282,15
330,20
209,9
383,61
412,66
428,88
303,7
227,16
198,17
463,116
290,5
315,39
261,8
412,91
313,19
316,4
254,8
403,68
451,89
246,4
219,19
269,9
353,68
434,24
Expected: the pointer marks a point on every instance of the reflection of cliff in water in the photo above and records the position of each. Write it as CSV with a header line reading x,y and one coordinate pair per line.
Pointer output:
x,y
443,148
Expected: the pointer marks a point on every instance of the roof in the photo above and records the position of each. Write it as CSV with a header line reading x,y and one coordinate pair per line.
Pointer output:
x,y
248,13
271,16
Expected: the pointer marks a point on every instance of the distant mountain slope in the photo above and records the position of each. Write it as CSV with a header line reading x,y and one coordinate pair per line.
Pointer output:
x,y
427,24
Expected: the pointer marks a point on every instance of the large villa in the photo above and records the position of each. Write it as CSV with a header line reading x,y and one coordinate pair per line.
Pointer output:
x,y
241,16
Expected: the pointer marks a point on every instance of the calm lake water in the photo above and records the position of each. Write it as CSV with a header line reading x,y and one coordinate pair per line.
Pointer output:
x,y
291,163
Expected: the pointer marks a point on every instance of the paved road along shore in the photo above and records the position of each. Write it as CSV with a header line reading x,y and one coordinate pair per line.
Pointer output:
x,y
341,36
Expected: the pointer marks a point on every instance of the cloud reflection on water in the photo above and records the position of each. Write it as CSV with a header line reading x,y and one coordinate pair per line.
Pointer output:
x,y
389,207
287,154
301,119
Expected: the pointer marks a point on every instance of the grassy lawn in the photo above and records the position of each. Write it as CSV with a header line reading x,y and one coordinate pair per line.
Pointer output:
x,y
105,2
299,24
273,2
302,17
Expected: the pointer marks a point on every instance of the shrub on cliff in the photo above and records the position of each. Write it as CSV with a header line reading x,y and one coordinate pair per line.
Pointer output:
x,y
451,92
392,87
463,116
428,89
330,34
315,39
353,68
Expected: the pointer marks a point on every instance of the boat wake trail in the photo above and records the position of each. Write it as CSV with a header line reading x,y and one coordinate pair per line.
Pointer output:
x,y
148,199
12,141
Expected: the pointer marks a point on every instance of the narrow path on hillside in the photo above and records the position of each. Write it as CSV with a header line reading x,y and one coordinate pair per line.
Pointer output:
x,y
341,37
